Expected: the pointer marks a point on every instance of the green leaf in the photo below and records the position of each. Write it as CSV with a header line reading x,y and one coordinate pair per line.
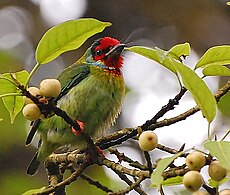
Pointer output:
x,y
171,181
215,184
219,55
179,50
156,177
198,88
67,36
216,70
34,191
224,105
156,54
13,104
220,149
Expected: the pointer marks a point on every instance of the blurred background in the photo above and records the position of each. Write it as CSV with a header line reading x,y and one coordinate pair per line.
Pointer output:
x,y
149,23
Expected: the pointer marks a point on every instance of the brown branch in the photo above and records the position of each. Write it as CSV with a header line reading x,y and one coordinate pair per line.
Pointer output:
x,y
149,163
54,177
74,176
173,172
122,157
95,183
131,186
169,150
119,168
66,158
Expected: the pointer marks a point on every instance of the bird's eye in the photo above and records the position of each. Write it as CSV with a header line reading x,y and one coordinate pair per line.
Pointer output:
x,y
98,52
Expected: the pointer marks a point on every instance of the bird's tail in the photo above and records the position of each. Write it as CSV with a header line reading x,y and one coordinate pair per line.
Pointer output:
x,y
34,165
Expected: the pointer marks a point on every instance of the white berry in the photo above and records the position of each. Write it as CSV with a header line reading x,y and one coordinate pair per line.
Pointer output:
x,y
50,87
148,140
33,91
216,171
31,112
192,181
200,193
195,160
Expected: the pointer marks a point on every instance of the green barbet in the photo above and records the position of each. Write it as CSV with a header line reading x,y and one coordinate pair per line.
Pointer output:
x,y
92,93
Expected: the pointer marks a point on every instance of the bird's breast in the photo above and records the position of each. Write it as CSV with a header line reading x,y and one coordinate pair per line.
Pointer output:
x,y
96,100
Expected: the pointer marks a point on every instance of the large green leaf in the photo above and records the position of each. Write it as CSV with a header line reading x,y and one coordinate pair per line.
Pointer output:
x,y
171,181
67,36
156,54
179,50
34,191
13,103
156,177
198,88
216,70
220,149
219,55
161,56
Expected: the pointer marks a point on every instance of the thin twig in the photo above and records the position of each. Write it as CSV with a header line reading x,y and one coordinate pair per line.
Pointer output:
x,y
73,177
170,106
149,163
95,183
169,150
123,157
132,185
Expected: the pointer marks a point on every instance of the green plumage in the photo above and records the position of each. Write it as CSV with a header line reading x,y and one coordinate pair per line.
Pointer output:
x,y
91,93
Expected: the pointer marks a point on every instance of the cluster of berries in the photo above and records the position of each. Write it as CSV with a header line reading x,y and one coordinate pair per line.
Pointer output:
x,y
195,161
193,179
49,88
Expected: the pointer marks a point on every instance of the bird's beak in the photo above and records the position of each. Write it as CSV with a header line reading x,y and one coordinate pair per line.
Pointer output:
x,y
115,51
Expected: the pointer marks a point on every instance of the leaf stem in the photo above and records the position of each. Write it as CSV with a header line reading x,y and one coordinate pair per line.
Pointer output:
x,y
32,73
209,133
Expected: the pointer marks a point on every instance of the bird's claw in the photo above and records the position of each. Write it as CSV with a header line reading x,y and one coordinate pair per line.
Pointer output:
x,y
90,154
81,130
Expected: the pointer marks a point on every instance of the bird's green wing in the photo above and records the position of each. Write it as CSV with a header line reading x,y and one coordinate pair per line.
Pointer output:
x,y
33,130
69,78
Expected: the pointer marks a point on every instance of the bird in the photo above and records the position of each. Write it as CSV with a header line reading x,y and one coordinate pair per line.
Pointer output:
x,y
92,93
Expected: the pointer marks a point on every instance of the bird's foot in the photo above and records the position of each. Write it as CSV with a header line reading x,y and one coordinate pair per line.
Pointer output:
x,y
100,151
81,130
90,154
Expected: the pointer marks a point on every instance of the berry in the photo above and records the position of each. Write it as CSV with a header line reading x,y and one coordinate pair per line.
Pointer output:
x,y
31,112
192,181
200,193
225,192
195,160
216,171
148,140
33,91
50,87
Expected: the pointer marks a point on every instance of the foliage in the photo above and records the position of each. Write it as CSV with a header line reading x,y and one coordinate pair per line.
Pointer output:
x,y
71,35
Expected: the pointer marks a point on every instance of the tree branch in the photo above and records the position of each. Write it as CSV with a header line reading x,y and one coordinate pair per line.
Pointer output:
x,y
67,181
